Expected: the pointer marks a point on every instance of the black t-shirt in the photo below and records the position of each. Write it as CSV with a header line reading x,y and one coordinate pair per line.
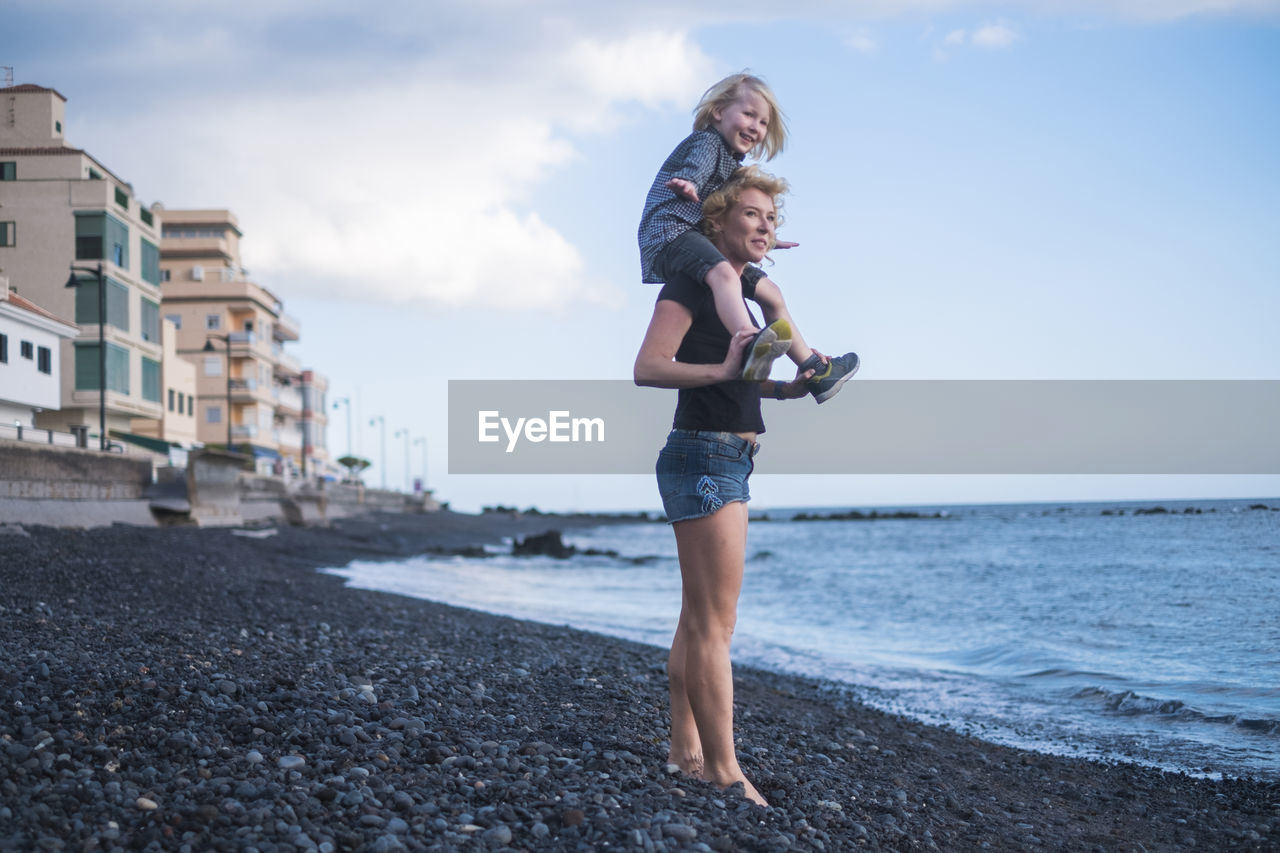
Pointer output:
x,y
726,406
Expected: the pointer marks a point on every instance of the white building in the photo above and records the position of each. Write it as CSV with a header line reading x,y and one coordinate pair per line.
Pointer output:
x,y
30,359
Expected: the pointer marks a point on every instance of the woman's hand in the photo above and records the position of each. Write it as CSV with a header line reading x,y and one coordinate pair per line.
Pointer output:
x,y
732,364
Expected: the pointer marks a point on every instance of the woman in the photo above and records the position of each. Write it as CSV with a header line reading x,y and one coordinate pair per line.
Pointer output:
x,y
703,471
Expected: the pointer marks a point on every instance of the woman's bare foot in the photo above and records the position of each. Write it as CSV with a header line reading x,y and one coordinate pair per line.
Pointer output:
x,y
748,790
690,765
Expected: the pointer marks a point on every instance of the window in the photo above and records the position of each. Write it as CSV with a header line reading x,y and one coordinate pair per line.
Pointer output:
x,y
212,365
87,368
213,415
44,360
28,350
100,236
181,402
150,380
4,349
57,125
165,275
176,318
117,303
227,274
213,322
171,399
150,262
122,198
9,171
150,330
145,216
94,174
8,234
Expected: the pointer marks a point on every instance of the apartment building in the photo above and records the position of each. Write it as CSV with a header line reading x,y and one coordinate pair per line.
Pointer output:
x,y
315,424
177,421
248,386
60,206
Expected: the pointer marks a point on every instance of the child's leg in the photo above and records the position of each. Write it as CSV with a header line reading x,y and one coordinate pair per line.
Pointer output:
x,y
769,297
726,287
828,374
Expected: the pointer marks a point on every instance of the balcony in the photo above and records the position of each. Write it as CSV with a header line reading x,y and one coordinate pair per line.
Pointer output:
x,y
245,431
286,327
288,400
243,390
286,364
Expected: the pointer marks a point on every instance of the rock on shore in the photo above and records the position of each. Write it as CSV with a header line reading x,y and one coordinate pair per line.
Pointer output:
x,y
193,689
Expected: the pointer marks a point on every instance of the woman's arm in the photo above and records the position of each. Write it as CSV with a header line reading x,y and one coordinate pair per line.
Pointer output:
x,y
656,365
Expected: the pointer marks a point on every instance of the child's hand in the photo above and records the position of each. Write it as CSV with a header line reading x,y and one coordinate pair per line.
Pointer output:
x,y
684,189
784,244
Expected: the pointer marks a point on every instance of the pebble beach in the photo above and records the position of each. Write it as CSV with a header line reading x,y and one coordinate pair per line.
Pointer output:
x,y
209,689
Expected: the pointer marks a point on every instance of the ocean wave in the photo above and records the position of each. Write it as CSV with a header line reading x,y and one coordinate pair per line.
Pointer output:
x,y
1130,704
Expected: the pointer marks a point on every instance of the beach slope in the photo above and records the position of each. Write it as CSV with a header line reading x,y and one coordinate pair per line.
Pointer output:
x,y
206,690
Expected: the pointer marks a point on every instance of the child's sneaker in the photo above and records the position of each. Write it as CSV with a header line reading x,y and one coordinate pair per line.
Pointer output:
x,y
769,343
826,384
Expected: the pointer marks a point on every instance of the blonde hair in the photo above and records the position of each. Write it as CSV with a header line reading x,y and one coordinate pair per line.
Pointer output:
x,y
724,93
750,177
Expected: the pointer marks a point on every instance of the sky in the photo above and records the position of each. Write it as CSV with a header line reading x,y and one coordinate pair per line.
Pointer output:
x,y
450,190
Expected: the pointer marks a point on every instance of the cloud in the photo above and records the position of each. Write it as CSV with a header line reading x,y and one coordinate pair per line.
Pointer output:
x,y
862,41
994,35
414,179
955,37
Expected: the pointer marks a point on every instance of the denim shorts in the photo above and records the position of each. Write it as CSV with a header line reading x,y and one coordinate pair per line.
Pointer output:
x,y
693,255
701,471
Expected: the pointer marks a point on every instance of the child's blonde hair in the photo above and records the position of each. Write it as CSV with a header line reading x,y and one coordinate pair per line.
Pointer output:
x,y
724,93
750,177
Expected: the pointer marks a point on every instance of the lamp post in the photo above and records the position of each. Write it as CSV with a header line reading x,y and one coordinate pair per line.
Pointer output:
x,y
346,401
208,347
74,281
382,463
422,439
408,485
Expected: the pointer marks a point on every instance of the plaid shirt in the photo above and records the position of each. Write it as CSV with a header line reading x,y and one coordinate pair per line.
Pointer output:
x,y
705,160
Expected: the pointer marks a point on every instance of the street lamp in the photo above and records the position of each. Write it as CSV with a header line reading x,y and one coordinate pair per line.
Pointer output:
x,y
208,347
408,486
74,281
382,463
422,439
346,401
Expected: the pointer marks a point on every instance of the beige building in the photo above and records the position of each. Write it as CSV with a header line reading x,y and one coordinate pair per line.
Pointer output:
x,y
177,421
58,206
234,331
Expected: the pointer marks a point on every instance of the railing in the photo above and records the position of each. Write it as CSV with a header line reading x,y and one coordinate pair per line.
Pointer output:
x,y
246,384
245,431
34,435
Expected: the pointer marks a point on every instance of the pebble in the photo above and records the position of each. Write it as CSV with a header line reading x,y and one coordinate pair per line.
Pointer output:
x,y
481,733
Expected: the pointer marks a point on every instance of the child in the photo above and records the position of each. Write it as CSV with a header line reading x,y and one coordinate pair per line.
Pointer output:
x,y
736,117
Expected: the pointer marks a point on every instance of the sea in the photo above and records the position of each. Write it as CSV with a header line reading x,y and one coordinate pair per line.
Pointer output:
x,y
1138,632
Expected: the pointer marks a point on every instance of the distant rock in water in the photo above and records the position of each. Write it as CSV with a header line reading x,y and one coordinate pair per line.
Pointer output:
x,y
550,544
855,515
547,544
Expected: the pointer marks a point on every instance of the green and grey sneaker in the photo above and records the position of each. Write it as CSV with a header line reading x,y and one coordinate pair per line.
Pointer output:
x,y
769,343
826,384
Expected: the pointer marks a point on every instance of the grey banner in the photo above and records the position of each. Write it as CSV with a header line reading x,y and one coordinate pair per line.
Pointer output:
x,y
887,427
